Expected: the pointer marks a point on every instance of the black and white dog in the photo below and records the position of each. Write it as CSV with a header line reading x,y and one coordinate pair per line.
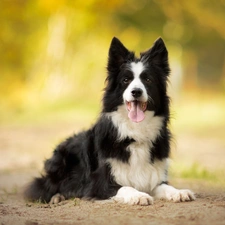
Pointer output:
x,y
124,156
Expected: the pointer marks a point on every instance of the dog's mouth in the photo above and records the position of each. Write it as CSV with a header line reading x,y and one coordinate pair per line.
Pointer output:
x,y
136,110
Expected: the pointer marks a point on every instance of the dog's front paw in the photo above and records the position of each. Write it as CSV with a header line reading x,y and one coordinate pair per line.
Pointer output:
x,y
131,196
180,195
57,198
170,193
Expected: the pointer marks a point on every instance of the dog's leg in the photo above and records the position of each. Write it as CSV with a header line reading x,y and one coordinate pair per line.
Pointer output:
x,y
170,193
129,195
57,198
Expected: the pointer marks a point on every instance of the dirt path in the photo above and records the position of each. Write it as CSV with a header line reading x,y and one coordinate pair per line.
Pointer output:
x,y
209,208
22,151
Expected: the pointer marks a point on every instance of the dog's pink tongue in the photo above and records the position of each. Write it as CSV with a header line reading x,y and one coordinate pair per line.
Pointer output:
x,y
135,113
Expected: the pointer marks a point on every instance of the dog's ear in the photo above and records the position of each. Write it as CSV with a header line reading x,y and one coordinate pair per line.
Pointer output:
x,y
118,54
157,54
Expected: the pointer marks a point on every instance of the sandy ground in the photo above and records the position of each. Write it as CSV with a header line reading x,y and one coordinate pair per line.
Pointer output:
x,y
209,208
22,150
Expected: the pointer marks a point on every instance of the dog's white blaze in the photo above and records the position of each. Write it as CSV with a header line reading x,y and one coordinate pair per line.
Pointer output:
x,y
137,69
139,173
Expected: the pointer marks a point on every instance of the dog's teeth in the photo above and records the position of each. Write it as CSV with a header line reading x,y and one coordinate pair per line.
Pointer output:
x,y
143,105
128,105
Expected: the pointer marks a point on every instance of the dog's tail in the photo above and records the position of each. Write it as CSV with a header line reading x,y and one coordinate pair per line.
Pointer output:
x,y
40,189
44,187
57,170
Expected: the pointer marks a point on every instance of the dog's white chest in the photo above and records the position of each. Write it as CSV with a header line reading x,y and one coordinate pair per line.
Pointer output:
x,y
138,173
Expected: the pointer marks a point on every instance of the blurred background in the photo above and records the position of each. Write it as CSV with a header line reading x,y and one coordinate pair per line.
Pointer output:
x,y
53,66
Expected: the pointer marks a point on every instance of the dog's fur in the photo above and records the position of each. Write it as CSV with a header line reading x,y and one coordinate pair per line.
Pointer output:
x,y
124,156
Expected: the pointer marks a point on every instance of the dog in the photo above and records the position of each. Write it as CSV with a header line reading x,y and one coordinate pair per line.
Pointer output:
x,y
124,155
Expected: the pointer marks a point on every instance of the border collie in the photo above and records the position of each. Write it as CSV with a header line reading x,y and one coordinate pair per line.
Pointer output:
x,y
124,156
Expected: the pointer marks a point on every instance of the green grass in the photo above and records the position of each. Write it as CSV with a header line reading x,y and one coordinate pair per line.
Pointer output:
x,y
76,202
198,172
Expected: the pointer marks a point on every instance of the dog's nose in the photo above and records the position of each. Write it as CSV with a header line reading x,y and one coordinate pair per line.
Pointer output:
x,y
136,93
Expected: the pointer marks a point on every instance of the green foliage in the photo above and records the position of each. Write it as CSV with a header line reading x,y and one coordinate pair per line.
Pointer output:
x,y
52,50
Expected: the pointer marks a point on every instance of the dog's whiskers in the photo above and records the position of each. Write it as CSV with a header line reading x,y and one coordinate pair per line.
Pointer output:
x,y
150,100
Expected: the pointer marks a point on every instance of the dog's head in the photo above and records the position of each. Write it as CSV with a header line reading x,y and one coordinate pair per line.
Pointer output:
x,y
137,83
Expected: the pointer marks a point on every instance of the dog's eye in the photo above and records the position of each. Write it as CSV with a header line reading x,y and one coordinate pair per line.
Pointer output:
x,y
148,80
126,80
